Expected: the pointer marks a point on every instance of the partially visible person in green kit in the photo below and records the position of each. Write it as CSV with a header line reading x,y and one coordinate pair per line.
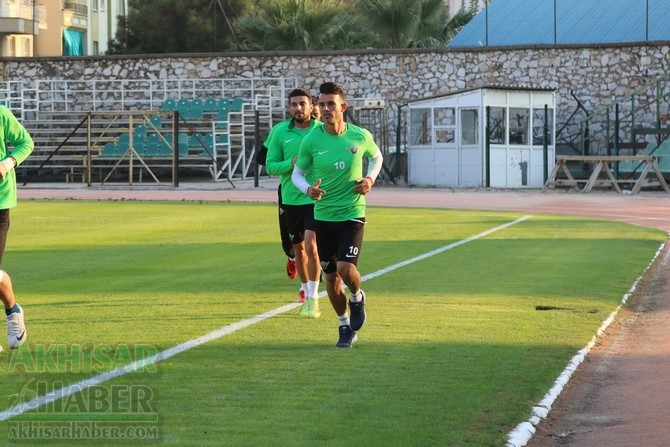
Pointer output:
x,y
21,146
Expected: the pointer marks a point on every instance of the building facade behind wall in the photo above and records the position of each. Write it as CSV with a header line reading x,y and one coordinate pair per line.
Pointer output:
x,y
41,28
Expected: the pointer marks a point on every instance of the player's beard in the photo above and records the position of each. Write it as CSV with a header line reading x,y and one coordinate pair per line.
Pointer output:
x,y
302,118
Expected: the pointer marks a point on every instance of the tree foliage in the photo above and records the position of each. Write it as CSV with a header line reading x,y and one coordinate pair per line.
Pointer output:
x,y
413,23
301,25
195,26
176,26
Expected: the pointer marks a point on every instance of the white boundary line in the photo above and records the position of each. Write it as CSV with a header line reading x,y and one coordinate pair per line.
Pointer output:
x,y
523,432
40,401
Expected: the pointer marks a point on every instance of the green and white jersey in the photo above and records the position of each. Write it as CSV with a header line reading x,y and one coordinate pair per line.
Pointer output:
x,y
22,146
338,161
283,143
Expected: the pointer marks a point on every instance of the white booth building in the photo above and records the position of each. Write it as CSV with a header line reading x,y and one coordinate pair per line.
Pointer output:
x,y
447,144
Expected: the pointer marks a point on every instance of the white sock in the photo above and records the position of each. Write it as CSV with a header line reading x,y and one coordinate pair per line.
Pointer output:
x,y
313,289
344,319
356,297
304,288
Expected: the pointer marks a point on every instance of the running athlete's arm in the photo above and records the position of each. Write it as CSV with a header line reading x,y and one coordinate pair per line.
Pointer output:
x,y
364,185
300,182
15,133
275,163
375,166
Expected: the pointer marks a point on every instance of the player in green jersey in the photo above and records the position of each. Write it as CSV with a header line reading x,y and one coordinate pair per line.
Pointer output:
x,y
297,210
21,147
286,245
333,154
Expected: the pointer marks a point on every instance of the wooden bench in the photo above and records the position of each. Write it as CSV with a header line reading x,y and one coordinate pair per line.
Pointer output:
x,y
602,162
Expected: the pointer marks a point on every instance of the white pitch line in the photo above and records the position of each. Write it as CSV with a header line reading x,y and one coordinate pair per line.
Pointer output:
x,y
40,401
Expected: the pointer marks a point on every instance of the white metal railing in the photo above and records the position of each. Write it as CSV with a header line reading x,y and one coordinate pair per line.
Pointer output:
x,y
28,99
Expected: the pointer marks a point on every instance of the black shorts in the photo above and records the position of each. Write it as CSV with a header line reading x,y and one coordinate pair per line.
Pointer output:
x,y
339,241
297,219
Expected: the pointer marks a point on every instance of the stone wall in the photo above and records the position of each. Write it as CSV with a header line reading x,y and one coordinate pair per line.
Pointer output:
x,y
596,74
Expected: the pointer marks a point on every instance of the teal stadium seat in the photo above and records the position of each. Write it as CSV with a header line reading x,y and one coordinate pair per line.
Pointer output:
x,y
210,105
236,104
183,108
629,166
195,111
140,130
208,144
224,102
663,154
183,144
169,105
152,146
165,143
123,144
110,150
156,121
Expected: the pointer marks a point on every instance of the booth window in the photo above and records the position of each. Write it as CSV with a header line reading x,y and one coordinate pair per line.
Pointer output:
x,y
445,125
469,126
420,127
518,126
497,125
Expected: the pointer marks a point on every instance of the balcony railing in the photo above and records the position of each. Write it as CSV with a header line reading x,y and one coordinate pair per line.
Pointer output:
x,y
75,7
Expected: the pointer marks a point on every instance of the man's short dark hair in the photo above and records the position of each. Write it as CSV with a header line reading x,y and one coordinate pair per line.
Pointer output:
x,y
299,92
331,88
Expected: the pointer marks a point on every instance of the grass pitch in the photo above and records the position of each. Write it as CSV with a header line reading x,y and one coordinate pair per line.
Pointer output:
x,y
455,351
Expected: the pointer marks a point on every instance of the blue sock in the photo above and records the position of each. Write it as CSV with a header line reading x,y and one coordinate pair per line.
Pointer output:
x,y
15,309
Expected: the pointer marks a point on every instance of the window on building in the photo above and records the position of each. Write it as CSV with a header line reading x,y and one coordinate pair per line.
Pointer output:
x,y
11,46
420,126
518,126
94,5
96,47
445,125
469,126
27,47
73,43
497,125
